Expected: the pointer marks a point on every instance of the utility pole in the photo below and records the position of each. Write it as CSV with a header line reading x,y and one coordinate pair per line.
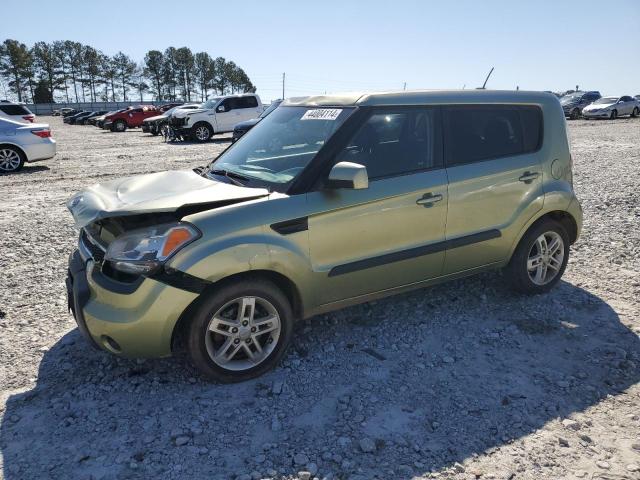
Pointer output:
x,y
283,85
405,86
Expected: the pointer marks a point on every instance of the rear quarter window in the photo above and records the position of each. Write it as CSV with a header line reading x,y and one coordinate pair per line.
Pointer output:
x,y
475,133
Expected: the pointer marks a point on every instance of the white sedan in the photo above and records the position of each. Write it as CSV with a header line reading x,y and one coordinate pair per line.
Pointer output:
x,y
612,107
20,143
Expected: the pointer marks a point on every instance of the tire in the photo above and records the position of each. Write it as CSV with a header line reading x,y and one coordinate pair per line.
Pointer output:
x,y
119,126
614,115
529,271
154,131
635,112
202,132
575,114
221,310
11,159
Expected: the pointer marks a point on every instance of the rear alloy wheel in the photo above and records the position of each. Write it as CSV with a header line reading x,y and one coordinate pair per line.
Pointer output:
x,y
540,258
240,331
11,160
202,132
614,115
635,112
119,126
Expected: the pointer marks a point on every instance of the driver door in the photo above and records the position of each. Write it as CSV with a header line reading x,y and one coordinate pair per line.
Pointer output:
x,y
391,233
225,116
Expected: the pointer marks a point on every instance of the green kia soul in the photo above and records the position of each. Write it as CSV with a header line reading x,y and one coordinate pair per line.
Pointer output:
x,y
327,202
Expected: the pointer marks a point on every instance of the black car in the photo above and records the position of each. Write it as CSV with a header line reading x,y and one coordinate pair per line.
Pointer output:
x,y
71,119
70,113
87,120
573,103
77,119
243,127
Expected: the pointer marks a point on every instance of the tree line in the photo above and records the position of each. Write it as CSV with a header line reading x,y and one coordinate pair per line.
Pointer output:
x,y
68,71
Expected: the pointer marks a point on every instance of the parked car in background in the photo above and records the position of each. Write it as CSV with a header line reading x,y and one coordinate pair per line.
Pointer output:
x,y
70,112
243,127
153,125
99,121
328,202
80,118
86,120
61,111
574,103
129,118
216,115
20,143
16,111
70,119
612,107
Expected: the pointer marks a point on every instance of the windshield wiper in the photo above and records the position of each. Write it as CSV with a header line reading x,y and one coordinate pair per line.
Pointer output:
x,y
232,176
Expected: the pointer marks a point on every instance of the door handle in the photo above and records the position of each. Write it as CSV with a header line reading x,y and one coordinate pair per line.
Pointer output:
x,y
529,177
428,199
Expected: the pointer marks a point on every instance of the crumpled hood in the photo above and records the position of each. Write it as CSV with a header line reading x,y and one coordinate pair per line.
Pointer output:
x,y
181,113
154,192
153,119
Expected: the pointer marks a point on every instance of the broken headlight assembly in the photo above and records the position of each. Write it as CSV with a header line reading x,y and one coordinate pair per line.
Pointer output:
x,y
144,251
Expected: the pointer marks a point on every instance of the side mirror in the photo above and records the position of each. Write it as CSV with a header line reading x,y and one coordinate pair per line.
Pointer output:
x,y
348,175
221,109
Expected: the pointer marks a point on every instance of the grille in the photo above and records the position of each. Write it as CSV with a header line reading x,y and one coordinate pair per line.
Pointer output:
x,y
176,122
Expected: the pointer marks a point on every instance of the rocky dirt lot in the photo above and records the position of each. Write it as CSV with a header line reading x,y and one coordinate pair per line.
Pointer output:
x,y
465,380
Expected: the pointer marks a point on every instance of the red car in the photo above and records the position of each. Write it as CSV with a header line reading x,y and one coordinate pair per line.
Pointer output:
x,y
129,118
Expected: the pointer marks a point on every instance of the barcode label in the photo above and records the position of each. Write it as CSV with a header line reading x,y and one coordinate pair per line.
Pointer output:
x,y
322,114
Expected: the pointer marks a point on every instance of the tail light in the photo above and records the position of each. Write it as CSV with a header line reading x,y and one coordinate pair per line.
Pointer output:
x,y
42,133
29,118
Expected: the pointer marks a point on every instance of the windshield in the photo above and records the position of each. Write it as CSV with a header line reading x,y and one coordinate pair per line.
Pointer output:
x,y
278,149
571,98
211,102
270,109
606,100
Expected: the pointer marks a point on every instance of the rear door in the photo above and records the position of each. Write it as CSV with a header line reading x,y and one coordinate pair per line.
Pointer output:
x,y
495,180
247,108
392,233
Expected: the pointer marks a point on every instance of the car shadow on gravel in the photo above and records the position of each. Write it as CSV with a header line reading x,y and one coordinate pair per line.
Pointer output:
x,y
29,169
397,388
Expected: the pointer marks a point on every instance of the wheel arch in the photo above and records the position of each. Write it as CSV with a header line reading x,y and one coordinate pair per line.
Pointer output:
x,y
285,284
17,147
564,218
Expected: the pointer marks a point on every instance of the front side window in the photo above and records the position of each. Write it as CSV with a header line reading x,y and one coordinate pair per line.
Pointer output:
x,y
394,143
274,152
475,133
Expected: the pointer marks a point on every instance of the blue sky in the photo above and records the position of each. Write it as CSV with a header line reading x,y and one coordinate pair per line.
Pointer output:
x,y
346,45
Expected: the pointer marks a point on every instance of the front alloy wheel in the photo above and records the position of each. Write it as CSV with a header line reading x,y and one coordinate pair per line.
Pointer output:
x,y
243,333
10,160
202,133
240,330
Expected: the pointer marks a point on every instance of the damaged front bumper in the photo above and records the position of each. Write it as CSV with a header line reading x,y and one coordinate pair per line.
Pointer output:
x,y
132,319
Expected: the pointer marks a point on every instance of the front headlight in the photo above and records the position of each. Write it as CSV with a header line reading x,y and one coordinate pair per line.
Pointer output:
x,y
144,251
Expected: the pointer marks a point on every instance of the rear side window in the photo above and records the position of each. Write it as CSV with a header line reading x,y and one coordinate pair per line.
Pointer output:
x,y
14,110
474,133
247,102
395,143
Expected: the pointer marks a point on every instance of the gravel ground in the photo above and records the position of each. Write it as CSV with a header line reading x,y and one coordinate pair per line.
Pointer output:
x,y
465,380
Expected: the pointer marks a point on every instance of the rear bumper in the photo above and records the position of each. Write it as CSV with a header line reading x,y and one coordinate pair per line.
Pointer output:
x,y
131,320
41,150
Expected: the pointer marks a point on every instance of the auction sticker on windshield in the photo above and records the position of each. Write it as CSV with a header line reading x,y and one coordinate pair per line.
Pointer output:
x,y
322,114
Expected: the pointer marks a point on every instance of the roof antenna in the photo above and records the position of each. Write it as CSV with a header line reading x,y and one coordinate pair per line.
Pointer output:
x,y
484,85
